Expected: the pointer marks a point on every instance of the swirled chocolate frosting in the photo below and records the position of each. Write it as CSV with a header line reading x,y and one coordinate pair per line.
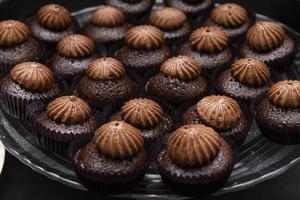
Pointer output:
x,y
13,32
108,16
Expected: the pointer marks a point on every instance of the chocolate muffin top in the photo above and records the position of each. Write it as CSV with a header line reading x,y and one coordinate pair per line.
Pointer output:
x,y
118,140
285,94
105,68
32,76
54,17
229,15
250,71
265,36
181,67
142,113
76,46
13,32
192,146
220,112
68,110
208,40
144,37
108,16
168,18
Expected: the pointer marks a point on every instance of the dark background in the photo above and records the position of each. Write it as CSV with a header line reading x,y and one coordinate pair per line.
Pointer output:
x,y
20,182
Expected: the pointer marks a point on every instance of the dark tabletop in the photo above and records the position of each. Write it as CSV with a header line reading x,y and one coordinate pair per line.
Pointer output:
x,y
19,182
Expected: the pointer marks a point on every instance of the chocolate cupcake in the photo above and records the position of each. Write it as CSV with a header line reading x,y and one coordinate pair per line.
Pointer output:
x,y
196,160
173,23
269,42
196,10
65,119
107,28
278,115
114,161
148,116
179,81
105,84
27,82
246,80
17,45
209,46
51,23
221,113
144,50
231,18
74,53
135,11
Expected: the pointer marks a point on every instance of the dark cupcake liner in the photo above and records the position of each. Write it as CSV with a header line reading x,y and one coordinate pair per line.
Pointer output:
x,y
175,43
108,49
5,68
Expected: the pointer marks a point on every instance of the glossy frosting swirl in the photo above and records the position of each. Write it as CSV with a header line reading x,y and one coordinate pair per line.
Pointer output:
x,y
13,32
265,36
167,18
229,15
105,68
250,71
208,40
68,110
108,16
220,112
142,113
76,46
181,67
285,94
118,140
32,76
193,146
54,16
144,37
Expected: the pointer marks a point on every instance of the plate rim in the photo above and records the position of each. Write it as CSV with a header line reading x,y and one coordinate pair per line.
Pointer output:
x,y
2,156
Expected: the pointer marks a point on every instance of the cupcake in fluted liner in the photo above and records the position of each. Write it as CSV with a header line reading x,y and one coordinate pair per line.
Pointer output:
x,y
173,23
27,82
196,10
148,116
17,45
114,161
233,19
179,81
221,113
136,11
105,85
269,42
51,23
278,113
196,160
74,53
65,119
144,52
209,46
245,81
107,28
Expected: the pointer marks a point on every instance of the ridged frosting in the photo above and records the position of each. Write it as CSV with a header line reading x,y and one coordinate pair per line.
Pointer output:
x,y
32,76
105,68
208,40
54,16
68,110
220,112
13,32
108,16
144,37
193,146
76,46
168,18
250,71
142,113
229,15
181,67
265,36
118,140
285,94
